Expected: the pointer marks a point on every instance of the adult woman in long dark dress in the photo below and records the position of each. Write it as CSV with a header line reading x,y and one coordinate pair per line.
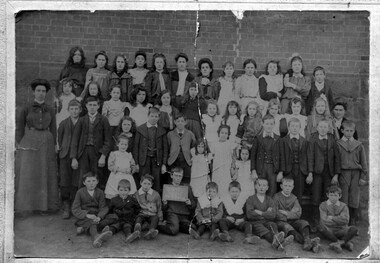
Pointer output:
x,y
36,179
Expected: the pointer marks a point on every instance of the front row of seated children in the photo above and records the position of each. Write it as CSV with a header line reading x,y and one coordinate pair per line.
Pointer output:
x,y
276,220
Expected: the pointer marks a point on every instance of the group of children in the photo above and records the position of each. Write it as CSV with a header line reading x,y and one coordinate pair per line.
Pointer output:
x,y
134,130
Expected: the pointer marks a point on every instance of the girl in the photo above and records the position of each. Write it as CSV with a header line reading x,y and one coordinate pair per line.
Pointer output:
x,y
181,79
251,124
114,108
247,85
100,74
36,172
127,127
139,106
139,70
94,91
120,76
243,171
64,99
201,159
121,165
158,79
232,118
320,111
224,160
296,83
296,109
280,127
271,84
211,121
209,87
75,69
191,105
227,86
168,112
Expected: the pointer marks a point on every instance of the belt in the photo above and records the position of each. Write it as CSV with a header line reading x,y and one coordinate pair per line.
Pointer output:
x,y
33,128
250,97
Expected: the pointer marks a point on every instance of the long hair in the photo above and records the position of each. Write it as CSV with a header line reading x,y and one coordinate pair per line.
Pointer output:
x,y
134,95
273,102
326,114
162,94
200,141
296,58
72,51
159,55
103,53
114,67
227,114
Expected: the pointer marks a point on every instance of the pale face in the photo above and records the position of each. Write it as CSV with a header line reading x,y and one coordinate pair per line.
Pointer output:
x,y
101,61
349,132
319,76
232,110
126,126
146,185
153,118
251,110
120,64
234,193
287,187
273,110
272,69
201,148
180,123
91,183
92,107
159,63
140,61
205,70
176,178
320,107
115,94
74,111
268,125
140,97
93,90
223,135
165,99
77,58
323,128
297,66
294,128
123,192
296,108
244,155
193,92
40,93
212,193
67,88
339,112
181,64
228,71
123,145
334,197
211,109
249,69
261,186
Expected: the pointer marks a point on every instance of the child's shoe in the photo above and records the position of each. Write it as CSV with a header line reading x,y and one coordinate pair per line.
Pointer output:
x,y
194,234
278,239
137,227
349,246
151,234
80,230
105,229
225,237
132,237
307,244
101,238
145,226
288,240
316,248
66,210
215,234
251,240
336,246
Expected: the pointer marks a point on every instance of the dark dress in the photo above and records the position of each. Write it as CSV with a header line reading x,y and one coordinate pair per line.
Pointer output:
x,y
77,73
36,179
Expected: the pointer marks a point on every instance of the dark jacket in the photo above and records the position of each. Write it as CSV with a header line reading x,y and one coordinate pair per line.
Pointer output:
x,y
65,133
153,85
257,154
125,209
315,93
85,204
181,208
286,155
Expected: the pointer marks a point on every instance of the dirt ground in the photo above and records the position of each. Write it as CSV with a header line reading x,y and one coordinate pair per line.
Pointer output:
x,y
51,236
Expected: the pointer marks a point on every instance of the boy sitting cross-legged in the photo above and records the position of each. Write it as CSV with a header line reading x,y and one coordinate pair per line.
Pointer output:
x,y
288,217
234,215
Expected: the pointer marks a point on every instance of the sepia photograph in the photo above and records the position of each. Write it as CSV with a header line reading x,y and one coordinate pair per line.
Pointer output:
x,y
192,134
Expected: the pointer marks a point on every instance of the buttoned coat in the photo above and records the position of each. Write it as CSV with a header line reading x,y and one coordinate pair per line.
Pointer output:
x,y
258,150
286,154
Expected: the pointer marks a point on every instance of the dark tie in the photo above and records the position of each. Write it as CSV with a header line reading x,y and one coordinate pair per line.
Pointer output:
x,y
146,196
180,134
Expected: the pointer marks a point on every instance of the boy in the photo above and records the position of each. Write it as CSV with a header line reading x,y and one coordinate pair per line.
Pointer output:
x,y
288,216
89,207
123,209
150,203
150,149
234,217
180,141
339,110
178,214
260,212
320,87
208,212
91,141
353,169
334,221
265,155
293,148
323,164
68,178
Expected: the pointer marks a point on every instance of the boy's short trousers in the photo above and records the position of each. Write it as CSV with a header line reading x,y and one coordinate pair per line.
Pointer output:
x,y
263,227
291,225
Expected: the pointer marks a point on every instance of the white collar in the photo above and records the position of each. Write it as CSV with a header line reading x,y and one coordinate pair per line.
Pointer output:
x,y
160,71
329,203
297,75
265,134
148,124
141,192
92,116
322,137
294,136
39,102
181,131
344,138
282,192
320,86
